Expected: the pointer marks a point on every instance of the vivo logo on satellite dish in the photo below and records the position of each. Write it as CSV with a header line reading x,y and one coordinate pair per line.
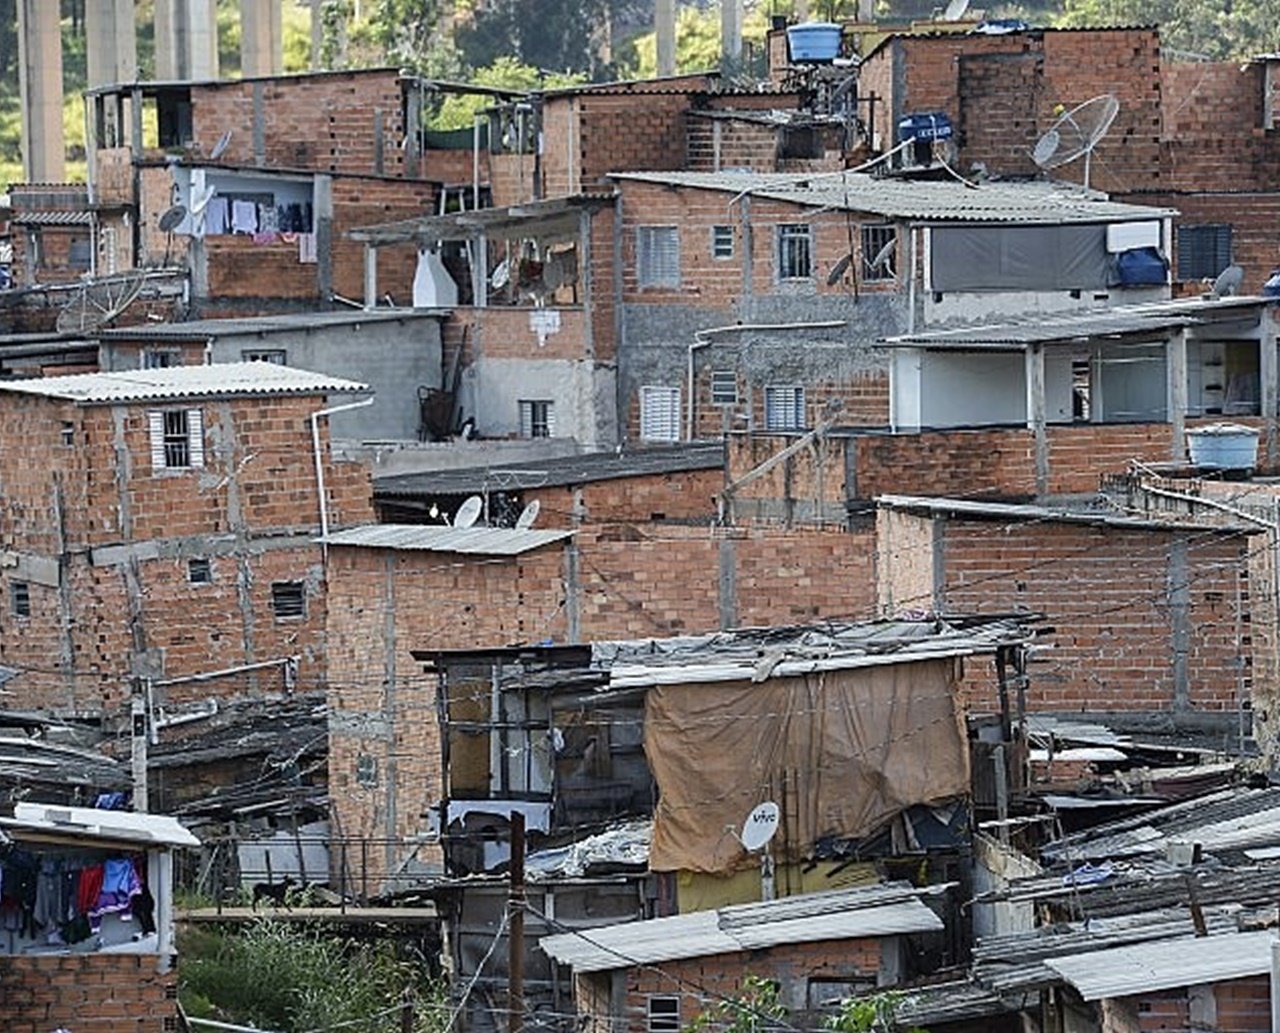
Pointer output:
x,y
761,826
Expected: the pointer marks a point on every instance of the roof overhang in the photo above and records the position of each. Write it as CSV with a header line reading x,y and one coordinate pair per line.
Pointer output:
x,y
538,218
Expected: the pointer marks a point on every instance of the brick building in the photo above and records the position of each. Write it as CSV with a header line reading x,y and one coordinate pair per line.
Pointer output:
x,y
159,524
120,976
816,948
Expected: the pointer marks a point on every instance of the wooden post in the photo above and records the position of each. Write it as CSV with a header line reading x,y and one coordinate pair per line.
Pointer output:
x,y
406,1013
515,928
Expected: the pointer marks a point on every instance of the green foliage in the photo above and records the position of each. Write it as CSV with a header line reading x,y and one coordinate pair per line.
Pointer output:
x,y
290,979
555,35
458,111
873,1014
1203,27
756,1009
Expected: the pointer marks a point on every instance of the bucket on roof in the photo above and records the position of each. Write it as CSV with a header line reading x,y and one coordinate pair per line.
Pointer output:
x,y
1223,446
815,42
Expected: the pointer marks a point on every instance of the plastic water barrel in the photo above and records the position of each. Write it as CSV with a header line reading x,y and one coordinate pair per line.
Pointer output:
x,y
814,42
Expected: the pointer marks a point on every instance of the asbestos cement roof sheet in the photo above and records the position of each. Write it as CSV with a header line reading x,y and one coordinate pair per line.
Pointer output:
x,y
842,914
917,200
468,541
1142,968
180,383
1014,335
202,329
44,820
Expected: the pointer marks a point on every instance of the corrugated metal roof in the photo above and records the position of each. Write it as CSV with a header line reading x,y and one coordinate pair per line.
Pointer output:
x,y
1070,328
927,201
472,541
1142,968
931,506
51,218
842,914
90,823
552,472
240,379
200,329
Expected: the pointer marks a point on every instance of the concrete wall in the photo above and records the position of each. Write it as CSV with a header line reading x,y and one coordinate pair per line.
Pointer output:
x,y
583,394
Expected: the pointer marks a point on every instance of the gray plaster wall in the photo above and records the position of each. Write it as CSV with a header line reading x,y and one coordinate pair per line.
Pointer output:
x,y
583,392
656,341
394,358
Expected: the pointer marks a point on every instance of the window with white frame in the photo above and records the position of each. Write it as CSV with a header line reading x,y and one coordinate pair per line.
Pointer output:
x,y
658,256
879,253
537,418
177,439
721,241
659,413
724,387
663,1013
795,251
784,407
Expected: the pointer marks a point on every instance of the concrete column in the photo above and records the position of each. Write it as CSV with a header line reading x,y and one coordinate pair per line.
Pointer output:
x,y
44,158
1269,375
730,33
111,42
370,276
1176,364
261,38
317,33
664,23
186,39
1036,421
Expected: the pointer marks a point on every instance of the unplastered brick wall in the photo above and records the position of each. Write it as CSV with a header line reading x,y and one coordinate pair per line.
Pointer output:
x,y
1230,1006
1144,619
108,993
703,982
369,200
685,495
326,121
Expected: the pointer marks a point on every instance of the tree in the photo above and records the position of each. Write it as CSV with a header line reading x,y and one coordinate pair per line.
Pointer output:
x,y
757,1008
1208,28
458,110
570,36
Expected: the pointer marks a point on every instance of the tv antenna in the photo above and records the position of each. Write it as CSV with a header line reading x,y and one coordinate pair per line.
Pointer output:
x,y
528,515
1076,133
1227,282
469,512
97,302
759,828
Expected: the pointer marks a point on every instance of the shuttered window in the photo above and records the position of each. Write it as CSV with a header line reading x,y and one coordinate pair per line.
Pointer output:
x,y
659,413
658,256
288,599
721,241
177,439
724,387
537,418
784,408
1203,251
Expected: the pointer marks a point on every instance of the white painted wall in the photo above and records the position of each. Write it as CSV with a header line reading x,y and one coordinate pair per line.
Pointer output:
x,y
972,389
956,307
585,397
1132,383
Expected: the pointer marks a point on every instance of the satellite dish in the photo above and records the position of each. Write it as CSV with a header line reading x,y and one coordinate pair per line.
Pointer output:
x,y
761,825
97,302
1076,133
220,146
501,275
469,512
1228,282
172,219
839,269
955,10
884,256
528,515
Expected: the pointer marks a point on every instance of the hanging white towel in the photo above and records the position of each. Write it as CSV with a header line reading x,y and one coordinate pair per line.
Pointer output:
x,y
244,217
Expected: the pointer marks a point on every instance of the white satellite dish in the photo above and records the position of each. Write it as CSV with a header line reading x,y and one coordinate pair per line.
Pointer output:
x,y
955,10
1076,133
469,512
220,146
761,826
1228,282
528,515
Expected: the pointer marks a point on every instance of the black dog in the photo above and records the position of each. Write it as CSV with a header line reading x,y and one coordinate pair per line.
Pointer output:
x,y
276,892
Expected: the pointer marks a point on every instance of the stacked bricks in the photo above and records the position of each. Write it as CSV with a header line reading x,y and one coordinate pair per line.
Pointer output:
x,y
108,993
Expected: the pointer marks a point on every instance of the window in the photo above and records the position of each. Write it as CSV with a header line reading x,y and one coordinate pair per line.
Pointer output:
x,y
160,358
658,256
879,253
288,599
276,356
79,252
795,252
784,408
659,413
537,419
177,439
721,241
801,142
199,571
366,771
724,387
68,432
20,598
663,1013
1203,251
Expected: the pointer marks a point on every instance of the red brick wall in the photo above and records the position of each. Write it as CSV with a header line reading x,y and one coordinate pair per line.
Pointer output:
x,y
1105,591
108,993
1239,1006
322,122
687,495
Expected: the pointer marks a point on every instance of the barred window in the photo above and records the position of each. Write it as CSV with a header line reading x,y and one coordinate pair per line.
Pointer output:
x,y
795,252
177,439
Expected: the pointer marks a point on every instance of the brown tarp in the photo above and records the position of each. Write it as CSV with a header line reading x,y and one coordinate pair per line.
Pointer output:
x,y
840,752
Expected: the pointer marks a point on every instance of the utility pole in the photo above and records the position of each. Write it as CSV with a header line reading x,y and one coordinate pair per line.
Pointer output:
x,y
515,928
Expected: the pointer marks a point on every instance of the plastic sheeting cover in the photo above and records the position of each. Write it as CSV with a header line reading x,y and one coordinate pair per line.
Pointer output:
x,y
853,748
